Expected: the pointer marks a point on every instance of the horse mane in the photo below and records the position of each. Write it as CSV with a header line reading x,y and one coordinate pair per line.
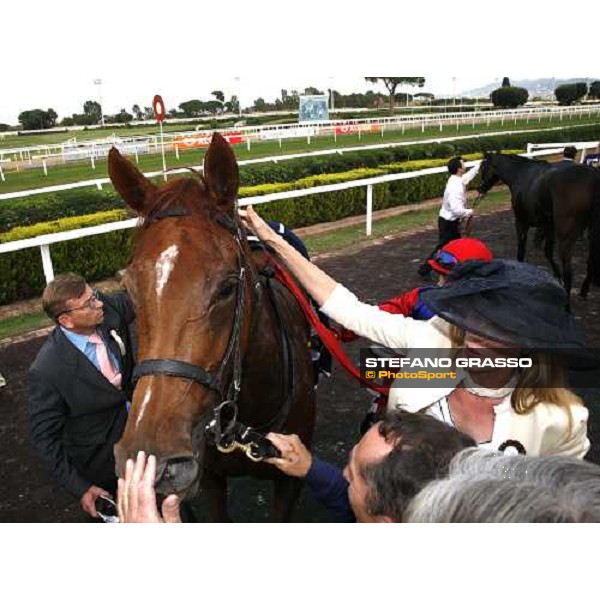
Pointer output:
x,y
522,159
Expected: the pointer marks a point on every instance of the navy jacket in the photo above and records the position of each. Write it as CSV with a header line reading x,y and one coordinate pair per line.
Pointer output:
x,y
328,486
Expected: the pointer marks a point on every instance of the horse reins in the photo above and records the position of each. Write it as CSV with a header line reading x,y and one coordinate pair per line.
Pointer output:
x,y
223,429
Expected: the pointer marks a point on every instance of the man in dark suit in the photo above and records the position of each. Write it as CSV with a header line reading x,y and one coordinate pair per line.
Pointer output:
x,y
80,387
569,156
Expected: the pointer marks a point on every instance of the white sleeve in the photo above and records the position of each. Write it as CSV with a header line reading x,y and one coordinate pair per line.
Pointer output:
x,y
391,331
468,177
577,443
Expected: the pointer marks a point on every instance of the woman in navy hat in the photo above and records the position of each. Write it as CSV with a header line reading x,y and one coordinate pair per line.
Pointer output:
x,y
501,308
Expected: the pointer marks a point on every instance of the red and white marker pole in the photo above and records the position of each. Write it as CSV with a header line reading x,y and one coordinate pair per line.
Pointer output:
x,y
159,112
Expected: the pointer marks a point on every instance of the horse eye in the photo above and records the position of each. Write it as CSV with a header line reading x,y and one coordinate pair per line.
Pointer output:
x,y
226,291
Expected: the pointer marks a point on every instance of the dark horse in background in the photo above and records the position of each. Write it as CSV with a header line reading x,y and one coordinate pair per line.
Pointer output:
x,y
209,326
561,201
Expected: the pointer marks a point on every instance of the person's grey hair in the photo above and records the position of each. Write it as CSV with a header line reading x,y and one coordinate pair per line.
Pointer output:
x,y
481,499
554,471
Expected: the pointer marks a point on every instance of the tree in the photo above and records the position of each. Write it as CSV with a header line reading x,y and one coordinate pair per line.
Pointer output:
x,y
509,97
233,106
4,127
192,108
312,91
595,89
392,83
93,110
506,82
137,111
260,105
51,117
38,119
569,93
122,117
219,95
149,113
213,106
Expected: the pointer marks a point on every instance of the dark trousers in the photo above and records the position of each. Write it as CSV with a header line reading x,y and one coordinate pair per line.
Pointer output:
x,y
448,231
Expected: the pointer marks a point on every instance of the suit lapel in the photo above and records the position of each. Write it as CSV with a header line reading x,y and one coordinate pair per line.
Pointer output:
x,y
80,365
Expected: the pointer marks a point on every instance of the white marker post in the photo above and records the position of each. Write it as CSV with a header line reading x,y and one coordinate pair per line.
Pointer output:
x,y
159,113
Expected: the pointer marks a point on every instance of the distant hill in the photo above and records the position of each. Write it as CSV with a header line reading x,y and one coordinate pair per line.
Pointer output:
x,y
535,87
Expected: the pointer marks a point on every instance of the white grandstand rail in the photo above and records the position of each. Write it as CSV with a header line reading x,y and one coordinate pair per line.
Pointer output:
x,y
98,183
583,146
322,127
45,241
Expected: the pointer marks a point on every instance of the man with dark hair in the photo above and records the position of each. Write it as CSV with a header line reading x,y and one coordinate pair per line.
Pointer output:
x,y
387,468
80,386
569,154
454,207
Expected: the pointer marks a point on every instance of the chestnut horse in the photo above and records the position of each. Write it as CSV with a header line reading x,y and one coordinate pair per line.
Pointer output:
x,y
213,332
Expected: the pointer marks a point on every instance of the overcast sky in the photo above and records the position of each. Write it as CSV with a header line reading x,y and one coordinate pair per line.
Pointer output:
x,y
51,52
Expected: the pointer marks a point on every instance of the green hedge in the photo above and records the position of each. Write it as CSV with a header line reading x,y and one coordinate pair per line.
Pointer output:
x,y
101,256
95,257
47,207
39,209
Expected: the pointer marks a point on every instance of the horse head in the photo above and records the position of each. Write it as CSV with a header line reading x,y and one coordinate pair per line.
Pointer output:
x,y
488,173
184,279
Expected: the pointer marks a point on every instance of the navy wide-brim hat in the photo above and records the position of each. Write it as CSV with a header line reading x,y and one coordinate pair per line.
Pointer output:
x,y
512,303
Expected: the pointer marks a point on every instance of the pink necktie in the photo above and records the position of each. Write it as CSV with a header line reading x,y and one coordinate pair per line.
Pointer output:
x,y
106,367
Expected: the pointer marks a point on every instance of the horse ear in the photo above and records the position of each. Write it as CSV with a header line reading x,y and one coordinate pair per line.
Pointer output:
x,y
221,172
129,182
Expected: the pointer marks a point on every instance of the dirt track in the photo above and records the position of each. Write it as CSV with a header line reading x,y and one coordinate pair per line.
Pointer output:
x,y
380,270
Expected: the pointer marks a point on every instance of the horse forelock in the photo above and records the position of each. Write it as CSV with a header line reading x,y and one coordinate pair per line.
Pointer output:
x,y
190,193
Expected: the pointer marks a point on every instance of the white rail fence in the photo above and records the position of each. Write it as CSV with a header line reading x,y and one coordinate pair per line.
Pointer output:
x,y
99,183
583,146
46,155
44,242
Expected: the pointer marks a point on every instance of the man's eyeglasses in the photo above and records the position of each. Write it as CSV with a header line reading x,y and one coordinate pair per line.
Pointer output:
x,y
446,260
93,299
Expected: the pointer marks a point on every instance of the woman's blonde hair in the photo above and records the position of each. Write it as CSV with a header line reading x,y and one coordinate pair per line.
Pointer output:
x,y
544,383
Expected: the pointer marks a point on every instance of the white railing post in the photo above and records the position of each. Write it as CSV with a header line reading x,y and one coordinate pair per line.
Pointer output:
x,y
369,210
47,263
2,174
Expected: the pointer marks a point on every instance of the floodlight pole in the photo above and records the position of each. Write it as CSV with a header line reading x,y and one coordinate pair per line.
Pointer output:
x,y
239,86
98,82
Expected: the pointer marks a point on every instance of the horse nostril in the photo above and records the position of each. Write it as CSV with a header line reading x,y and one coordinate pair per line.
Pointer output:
x,y
177,473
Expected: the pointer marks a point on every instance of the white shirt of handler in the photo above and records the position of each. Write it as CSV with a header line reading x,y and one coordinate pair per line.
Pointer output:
x,y
454,204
